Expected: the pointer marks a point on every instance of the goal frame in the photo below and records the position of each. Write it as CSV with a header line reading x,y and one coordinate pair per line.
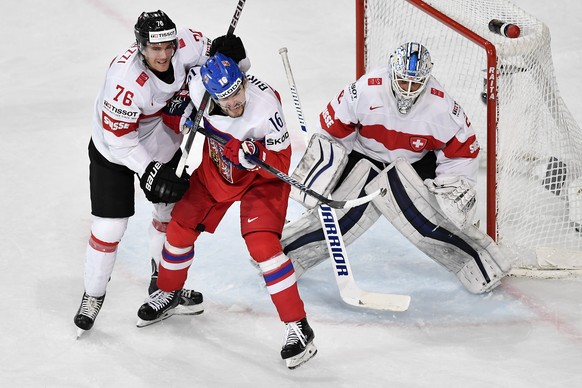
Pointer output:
x,y
492,117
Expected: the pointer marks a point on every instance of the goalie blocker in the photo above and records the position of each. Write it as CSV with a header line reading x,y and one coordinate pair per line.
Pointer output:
x,y
411,207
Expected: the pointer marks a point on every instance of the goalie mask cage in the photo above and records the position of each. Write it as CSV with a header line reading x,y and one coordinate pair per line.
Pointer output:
x,y
531,147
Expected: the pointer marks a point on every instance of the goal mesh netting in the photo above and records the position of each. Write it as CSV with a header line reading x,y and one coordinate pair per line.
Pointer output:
x,y
535,198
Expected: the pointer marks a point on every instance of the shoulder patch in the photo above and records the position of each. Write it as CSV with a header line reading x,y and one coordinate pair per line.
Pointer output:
x,y
142,79
456,109
181,43
438,93
375,81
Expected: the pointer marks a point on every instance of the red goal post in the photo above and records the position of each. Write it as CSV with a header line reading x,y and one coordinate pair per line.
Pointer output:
x,y
531,145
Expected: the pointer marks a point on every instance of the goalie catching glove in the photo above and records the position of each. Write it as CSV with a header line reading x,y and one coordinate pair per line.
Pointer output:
x,y
236,152
161,185
456,198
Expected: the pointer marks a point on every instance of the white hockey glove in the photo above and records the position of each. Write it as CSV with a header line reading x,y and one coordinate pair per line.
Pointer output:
x,y
456,198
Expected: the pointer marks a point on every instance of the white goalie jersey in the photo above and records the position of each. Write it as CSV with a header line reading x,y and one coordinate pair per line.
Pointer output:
x,y
364,118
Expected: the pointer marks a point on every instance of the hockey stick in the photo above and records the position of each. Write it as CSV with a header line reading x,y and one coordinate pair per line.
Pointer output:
x,y
205,99
350,292
293,182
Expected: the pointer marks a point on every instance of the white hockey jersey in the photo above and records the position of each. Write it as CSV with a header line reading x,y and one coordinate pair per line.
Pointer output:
x,y
364,118
127,124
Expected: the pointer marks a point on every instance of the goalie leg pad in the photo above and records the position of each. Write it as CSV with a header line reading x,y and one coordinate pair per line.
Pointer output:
x,y
319,169
469,253
303,240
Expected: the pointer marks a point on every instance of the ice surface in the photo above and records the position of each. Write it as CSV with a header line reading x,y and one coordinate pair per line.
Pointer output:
x,y
528,333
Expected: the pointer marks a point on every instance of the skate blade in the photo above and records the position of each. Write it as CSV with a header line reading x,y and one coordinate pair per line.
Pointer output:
x,y
303,357
194,309
80,333
166,315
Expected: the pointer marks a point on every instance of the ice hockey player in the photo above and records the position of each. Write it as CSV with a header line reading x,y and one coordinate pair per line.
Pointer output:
x,y
246,112
400,130
140,97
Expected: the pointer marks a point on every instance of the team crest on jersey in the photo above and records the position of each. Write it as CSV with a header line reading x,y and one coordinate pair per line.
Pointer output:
x,y
142,79
375,81
436,92
418,143
181,43
215,151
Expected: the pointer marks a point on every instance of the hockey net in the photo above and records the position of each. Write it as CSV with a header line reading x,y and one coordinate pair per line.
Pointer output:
x,y
531,147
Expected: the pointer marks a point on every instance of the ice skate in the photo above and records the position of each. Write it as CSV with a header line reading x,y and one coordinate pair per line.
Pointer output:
x,y
190,300
158,306
190,303
87,313
298,347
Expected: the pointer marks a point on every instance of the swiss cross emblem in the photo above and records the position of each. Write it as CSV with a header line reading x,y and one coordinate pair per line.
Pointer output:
x,y
417,143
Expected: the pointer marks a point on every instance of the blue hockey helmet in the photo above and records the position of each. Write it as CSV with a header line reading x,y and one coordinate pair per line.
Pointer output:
x,y
221,76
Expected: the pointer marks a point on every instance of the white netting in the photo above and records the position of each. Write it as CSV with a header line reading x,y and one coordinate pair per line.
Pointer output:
x,y
539,145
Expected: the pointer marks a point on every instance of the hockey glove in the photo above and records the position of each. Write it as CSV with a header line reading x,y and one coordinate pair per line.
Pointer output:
x,y
161,185
236,152
229,45
177,110
456,198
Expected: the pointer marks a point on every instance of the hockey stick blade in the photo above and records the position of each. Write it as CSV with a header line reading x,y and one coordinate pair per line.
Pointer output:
x,y
375,301
362,200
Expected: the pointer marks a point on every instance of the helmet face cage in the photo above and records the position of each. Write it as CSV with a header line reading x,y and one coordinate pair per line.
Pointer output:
x,y
154,27
410,64
221,76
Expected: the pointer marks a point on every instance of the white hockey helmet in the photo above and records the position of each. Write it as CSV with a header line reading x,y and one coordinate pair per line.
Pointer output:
x,y
410,67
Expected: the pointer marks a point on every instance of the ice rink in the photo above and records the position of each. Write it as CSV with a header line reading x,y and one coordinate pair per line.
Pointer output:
x,y
527,333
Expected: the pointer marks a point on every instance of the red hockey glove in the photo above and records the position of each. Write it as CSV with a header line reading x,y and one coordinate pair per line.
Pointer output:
x,y
177,110
235,151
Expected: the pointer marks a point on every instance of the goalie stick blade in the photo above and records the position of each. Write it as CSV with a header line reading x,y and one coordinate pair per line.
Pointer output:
x,y
376,301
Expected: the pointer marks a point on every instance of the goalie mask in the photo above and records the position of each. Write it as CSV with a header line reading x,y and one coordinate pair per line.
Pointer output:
x,y
410,67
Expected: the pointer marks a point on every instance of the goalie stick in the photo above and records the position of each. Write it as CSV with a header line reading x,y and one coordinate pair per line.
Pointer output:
x,y
350,292
290,180
200,112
